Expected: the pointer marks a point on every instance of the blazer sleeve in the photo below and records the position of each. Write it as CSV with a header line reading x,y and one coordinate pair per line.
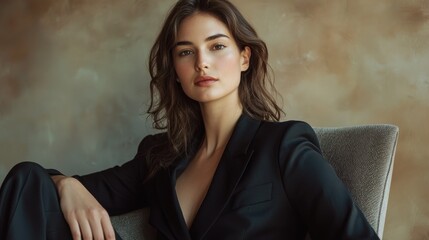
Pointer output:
x,y
320,198
121,189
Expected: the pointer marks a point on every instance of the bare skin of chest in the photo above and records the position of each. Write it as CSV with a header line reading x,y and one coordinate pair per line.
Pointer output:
x,y
193,184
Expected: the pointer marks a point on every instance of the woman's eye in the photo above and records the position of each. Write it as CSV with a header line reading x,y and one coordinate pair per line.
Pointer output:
x,y
185,53
219,47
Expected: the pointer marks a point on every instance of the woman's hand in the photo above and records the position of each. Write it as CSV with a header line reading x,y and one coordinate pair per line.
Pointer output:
x,y
86,217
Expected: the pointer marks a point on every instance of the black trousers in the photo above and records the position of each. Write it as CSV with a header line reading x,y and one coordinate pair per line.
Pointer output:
x,y
29,206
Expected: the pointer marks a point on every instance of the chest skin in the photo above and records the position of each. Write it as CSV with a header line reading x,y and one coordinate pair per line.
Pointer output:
x,y
192,185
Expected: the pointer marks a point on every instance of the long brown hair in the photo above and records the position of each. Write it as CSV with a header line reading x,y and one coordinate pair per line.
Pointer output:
x,y
181,116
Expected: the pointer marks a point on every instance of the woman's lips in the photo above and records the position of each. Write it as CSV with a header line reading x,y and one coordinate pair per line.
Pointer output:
x,y
204,81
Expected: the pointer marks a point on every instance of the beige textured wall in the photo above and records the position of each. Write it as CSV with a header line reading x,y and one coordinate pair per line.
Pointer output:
x,y
73,80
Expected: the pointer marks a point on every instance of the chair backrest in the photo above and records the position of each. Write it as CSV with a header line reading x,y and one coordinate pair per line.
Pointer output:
x,y
362,157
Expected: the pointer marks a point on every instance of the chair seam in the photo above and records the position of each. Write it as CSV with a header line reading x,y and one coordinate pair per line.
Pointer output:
x,y
387,178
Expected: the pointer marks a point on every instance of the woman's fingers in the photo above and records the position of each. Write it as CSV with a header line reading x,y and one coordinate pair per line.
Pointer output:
x,y
96,229
109,233
85,229
100,225
74,228
90,224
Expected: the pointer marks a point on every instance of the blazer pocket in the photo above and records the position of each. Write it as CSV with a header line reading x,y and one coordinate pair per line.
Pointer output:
x,y
253,195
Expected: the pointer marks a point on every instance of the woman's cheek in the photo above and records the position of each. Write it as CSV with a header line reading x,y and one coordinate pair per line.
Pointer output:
x,y
183,69
230,63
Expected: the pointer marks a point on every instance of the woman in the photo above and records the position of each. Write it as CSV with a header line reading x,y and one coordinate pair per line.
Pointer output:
x,y
224,168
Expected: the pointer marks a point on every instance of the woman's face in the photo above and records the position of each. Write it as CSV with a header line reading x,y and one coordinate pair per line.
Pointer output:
x,y
207,61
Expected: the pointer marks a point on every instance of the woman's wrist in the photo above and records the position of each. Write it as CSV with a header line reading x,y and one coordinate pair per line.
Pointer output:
x,y
61,180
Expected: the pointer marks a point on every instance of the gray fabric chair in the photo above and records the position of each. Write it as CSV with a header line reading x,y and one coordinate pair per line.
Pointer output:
x,y
362,157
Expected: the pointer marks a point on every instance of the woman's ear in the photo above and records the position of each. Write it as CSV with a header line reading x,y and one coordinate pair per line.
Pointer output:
x,y
245,58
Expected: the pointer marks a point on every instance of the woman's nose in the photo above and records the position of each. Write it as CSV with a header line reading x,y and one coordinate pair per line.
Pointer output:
x,y
202,61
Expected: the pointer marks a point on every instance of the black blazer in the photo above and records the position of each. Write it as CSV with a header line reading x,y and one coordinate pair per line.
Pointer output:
x,y
272,182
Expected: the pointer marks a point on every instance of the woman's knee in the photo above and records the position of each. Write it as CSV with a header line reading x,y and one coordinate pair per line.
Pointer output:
x,y
23,169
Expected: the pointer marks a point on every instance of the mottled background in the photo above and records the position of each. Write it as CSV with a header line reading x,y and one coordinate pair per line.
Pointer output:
x,y
74,80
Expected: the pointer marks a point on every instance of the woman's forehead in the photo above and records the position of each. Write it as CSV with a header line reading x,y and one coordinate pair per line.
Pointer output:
x,y
201,25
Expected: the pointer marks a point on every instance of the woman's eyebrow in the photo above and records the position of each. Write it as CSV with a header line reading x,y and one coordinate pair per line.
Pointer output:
x,y
210,38
219,35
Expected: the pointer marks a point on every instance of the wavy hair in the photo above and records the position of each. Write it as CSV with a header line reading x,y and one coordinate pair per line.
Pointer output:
x,y
180,115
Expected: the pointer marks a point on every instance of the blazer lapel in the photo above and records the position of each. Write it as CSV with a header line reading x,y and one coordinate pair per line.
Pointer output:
x,y
228,173
166,195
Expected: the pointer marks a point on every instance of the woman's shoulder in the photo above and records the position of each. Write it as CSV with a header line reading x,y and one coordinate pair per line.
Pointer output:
x,y
288,132
289,127
153,140
156,137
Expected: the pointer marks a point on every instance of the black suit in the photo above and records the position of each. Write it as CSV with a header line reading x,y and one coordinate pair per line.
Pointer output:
x,y
271,183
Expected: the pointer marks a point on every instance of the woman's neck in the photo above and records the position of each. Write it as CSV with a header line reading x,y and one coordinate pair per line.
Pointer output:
x,y
219,122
